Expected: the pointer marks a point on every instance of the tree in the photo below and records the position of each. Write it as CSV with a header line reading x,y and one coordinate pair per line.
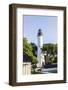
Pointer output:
x,y
27,49
51,50
34,49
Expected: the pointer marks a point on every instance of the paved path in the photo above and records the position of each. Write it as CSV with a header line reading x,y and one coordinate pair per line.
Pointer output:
x,y
49,70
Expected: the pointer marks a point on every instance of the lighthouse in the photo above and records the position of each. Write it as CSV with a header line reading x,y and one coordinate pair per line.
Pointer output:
x,y
40,56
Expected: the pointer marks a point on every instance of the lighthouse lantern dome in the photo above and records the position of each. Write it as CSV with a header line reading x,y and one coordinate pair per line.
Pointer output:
x,y
40,32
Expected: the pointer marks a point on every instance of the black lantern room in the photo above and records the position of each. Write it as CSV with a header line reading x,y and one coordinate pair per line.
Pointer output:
x,y
40,32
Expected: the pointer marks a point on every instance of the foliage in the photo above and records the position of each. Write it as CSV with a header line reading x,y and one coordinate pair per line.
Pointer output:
x,y
55,60
27,48
31,50
51,50
34,49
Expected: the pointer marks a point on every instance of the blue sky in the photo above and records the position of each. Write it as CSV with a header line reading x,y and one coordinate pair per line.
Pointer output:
x,y
48,25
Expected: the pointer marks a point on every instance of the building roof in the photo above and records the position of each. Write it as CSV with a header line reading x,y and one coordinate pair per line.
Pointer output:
x,y
40,32
26,58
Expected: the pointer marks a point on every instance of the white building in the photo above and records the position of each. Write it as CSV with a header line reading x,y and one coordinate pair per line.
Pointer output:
x,y
40,55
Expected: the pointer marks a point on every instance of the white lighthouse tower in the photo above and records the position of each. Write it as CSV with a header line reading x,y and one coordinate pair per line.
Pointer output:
x,y
40,56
